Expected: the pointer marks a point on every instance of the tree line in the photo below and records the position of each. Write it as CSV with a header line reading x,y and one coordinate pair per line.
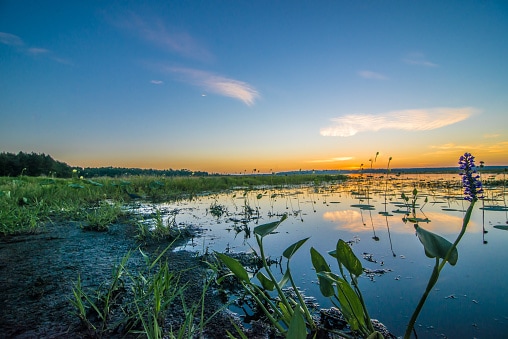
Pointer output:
x,y
37,164
32,164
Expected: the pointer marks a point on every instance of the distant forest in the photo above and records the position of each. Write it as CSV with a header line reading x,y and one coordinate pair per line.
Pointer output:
x,y
37,164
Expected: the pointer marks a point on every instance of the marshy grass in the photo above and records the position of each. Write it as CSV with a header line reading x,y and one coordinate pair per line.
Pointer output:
x,y
26,203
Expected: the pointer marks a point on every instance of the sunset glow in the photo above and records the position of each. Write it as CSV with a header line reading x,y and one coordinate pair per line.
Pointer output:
x,y
232,87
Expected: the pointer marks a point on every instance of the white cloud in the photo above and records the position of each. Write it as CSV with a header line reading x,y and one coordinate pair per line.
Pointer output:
x,y
37,51
418,59
371,75
156,32
409,120
157,82
10,39
218,84
332,160
14,40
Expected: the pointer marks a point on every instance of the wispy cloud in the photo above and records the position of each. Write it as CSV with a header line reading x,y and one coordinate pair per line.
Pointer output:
x,y
371,75
410,120
418,59
10,39
483,147
332,160
37,51
156,32
19,44
157,82
218,84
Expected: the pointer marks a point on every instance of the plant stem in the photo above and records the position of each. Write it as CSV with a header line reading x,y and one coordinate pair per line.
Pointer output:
x,y
430,284
437,270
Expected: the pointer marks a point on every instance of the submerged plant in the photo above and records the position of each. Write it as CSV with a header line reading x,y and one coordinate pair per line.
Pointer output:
x,y
439,248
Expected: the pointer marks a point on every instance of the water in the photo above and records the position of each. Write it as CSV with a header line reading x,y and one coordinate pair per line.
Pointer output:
x,y
469,300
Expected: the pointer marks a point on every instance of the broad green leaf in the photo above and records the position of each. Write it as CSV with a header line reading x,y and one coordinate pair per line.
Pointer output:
x,y
346,257
320,265
267,284
436,246
297,328
265,229
284,279
286,314
235,266
288,253
350,305
375,335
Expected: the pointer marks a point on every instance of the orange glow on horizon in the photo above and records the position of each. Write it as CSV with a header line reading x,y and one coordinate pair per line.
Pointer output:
x,y
247,164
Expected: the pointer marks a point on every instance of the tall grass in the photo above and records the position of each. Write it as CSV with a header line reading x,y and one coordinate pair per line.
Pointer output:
x,y
28,202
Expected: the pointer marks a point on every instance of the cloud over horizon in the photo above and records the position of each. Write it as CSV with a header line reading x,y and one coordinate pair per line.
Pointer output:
x,y
218,84
409,120
331,160
372,75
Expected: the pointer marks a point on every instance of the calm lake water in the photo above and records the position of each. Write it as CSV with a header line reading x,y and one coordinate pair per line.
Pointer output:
x,y
470,299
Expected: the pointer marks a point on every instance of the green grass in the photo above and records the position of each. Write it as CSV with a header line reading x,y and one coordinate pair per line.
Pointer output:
x,y
26,203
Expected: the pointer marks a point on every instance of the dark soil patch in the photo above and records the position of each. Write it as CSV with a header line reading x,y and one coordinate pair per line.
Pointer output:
x,y
38,271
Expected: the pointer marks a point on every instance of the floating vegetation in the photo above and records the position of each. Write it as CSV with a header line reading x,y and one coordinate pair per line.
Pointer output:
x,y
494,208
364,206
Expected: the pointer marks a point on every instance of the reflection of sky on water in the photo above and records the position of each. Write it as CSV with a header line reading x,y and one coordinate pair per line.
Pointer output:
x,y
472,292
439,222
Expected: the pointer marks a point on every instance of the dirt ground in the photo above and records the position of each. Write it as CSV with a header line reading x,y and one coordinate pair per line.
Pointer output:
x,y
38,271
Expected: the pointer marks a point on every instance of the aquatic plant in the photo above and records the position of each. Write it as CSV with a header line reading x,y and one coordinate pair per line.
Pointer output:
x,y
347,296
290,316
439,248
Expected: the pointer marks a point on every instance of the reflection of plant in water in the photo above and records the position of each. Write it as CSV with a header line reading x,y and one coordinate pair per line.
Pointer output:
x,y
439,248
218,210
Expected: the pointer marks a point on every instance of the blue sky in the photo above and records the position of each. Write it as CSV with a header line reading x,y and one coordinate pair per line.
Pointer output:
x,y
229,86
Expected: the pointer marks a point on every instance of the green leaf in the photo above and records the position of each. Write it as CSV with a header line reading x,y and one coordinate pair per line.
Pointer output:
x,y
350,304
297,328
265,229
235,267
501,227
288,253
375,335
76,186
320,265
284,279
346,257
267,284
436,246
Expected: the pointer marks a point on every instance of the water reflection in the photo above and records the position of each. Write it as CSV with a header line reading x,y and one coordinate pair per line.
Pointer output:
x,y
374,214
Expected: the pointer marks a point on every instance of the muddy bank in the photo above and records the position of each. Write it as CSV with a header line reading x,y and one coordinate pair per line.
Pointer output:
x,y
38,271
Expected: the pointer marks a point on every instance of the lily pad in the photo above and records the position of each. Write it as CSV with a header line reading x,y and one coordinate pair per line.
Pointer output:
x,y
494,208
364,206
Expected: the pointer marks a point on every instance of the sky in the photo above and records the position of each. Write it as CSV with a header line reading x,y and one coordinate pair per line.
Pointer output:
x,y
255,86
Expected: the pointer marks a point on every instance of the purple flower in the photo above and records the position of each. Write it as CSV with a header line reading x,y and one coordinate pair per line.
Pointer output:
x,y
473,189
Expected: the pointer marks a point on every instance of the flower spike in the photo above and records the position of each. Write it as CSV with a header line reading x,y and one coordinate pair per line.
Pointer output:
x,y
473,189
